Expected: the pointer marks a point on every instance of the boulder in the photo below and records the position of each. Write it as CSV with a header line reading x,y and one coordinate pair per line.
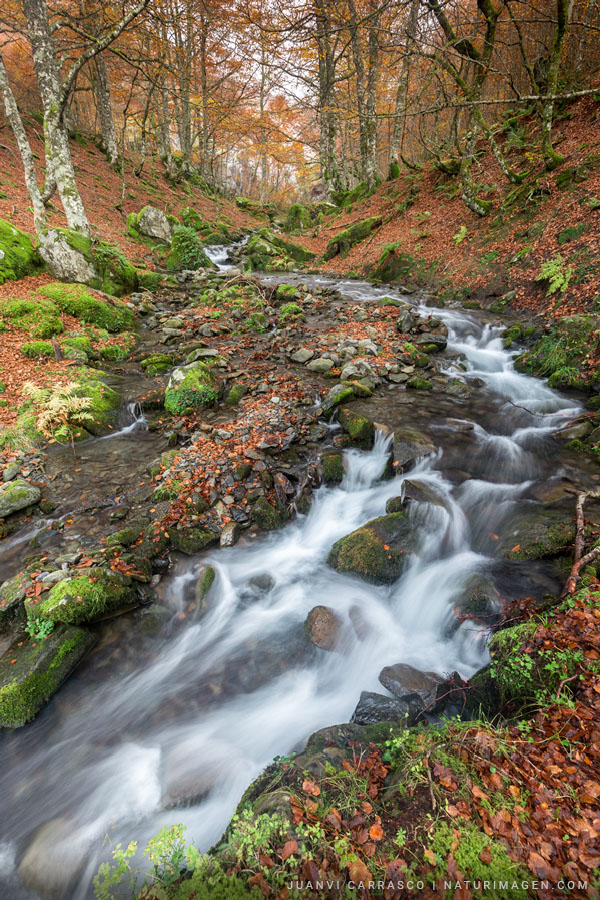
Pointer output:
x,y
333,467
18,257
303,355
373,708
339,393
410,445
153,223
322,627
321,365
52,860
17,494
190,387
378,551
407,683
540,535
12,595
360,429
421,492
41,667
94,594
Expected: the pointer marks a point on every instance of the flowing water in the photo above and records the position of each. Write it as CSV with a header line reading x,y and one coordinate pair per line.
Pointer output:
x,y
180,707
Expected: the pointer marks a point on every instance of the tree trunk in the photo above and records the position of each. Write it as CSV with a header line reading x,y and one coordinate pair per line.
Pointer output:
x,y
58,152
563,10
397,141
105,112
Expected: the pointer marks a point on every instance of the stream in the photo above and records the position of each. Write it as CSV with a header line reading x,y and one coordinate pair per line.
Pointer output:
x,y
175,711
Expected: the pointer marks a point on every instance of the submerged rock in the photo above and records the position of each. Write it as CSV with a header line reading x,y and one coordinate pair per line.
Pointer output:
x,y
322,627
373,708
410,445
32,671
540,535
378,551
16,495
52,860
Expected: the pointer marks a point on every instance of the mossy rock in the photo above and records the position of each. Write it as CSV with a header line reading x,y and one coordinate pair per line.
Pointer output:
x,y
192,540
17,495
266,516
394,265
378,551
517,675
85,598
39,350
344,240
419,384
76,300
104,403
235,393
289,248
297,219
542,535
114,273
190,387
18,256
333,468
157,364
41,667
360,429
192,218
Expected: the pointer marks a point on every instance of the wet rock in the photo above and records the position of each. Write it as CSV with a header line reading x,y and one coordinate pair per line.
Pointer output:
x,y
480,599
16,495
405,321
52,860
360,429
361,626
410,445
192,540
373,708
539,535
322,627
12,595
267,516
416,383
339,393
421,492
321,366
203,585
229,534
432,342
404,682
40,669
333,468
378,551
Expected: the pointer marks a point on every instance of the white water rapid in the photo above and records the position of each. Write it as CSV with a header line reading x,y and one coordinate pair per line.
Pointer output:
x,y
198,709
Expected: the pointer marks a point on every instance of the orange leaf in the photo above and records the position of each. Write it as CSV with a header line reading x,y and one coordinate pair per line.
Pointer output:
x,y
288,848
311,788
376,832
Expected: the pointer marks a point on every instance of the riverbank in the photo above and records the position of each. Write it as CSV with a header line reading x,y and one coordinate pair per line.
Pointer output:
x,y
438,382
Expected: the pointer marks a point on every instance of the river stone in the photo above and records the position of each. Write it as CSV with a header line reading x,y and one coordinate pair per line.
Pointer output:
x,y
360,429
320,366
410,445
373,708
333,467
303,355
540,535
339,393
12,595
11,471
229,534
203,585
322,627
40,669
52,860
438,341
404,681
192,540
154,224
378,551
422,492
16,495
95,594
405,321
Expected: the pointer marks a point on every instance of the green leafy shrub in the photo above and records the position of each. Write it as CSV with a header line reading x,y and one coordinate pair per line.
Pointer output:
x,y
187,251
460,235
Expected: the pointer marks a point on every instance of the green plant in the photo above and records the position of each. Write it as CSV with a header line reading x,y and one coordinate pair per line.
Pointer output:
x,y
290,311
38,628
556,274
460,235
62,408
36,349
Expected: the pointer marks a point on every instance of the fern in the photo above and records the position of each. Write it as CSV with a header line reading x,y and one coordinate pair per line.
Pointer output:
x,y
556,274
60,406
460,235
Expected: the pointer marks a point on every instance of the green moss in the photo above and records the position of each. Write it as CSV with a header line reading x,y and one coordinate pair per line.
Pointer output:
x,y
290,311
377,552
40,669
267,516
418,384
114,273
192,540
157,364
298,218
75,300
289,248
344,240
205,584
563,352
104,402
85,598
36,349
333,468
41,318
18,257
235,394
359,428
148,280
197,389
